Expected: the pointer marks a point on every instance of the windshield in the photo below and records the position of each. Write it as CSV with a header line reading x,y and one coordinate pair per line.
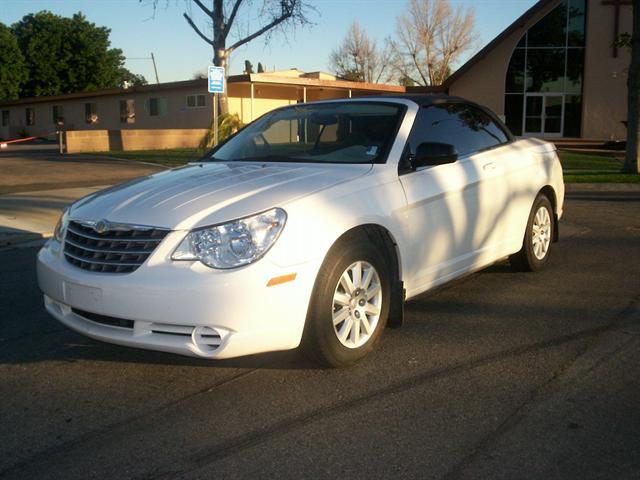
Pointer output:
x,y
345,132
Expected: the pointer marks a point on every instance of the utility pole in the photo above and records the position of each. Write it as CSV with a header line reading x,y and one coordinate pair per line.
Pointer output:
x,y
153,60
155,69
632,160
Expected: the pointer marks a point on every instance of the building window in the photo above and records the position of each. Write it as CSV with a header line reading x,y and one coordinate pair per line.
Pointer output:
x,y
127,111
5,118
157,107
30,116
91,113
57,114
195,101
543,87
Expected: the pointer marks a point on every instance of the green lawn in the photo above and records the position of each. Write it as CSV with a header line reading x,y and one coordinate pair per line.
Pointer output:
x,y
578,167
168,158
583,161
588,168
601,178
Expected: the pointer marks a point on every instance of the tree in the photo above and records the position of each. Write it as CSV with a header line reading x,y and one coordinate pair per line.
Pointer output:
x,y
248,67
260,68
225,15
431,37
632,160
65,55
357,58
13,71
132,79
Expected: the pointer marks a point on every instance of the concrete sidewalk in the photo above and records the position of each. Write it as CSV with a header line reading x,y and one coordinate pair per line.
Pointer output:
x,y
29,216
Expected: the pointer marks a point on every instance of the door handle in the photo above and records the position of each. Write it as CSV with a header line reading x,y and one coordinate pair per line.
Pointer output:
x,y
489,166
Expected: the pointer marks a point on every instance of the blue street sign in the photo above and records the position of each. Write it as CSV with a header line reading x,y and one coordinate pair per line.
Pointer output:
x,y
216,79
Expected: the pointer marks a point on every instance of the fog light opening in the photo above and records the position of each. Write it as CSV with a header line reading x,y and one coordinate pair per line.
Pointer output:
x,y
206,339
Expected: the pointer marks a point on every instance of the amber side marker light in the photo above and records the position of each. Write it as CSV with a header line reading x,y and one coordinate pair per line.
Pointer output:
x,y
281,279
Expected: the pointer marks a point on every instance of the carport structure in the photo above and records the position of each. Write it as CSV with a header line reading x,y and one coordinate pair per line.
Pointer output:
x,y
252,95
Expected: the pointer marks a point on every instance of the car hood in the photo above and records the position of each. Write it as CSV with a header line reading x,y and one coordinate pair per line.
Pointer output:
x,y
203,194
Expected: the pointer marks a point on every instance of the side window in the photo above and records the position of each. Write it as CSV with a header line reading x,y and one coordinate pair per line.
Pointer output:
x,y
30,116
57,113
128,111
195,101
467,128
158,107
487,132
91,113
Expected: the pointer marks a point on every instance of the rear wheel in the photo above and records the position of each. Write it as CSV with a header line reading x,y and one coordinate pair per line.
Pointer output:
x,y
538,238
350,304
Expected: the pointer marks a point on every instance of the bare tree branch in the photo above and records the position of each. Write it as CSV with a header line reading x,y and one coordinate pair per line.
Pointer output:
x,y
357,58
431,37
200,34
203,8
259,32
232,17
274,14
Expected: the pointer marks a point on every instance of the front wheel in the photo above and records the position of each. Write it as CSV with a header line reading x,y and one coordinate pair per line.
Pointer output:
x,y
538,238
350,304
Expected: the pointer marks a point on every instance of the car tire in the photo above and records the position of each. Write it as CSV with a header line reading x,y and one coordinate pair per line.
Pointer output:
x,y
538,238
347,315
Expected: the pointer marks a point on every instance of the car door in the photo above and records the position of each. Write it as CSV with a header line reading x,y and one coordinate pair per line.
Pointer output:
x,y
453,209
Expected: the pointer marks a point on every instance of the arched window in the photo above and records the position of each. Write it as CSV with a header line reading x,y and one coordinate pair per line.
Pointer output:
x,y
543,87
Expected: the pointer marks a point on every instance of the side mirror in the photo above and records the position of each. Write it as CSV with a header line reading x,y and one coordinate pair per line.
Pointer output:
x,y
433,153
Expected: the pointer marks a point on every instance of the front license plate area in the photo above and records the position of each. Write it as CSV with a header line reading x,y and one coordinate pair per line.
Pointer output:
x,y
83,297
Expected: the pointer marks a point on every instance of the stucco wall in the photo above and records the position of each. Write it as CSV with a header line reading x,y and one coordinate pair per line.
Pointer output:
x,y
87,141
157,139
605,88
265,99
108,108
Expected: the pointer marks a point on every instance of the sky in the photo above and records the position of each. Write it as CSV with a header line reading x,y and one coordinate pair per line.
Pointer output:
x,y
180,53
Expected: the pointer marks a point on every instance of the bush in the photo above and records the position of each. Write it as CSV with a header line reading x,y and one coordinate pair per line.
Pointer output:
x,y
228,124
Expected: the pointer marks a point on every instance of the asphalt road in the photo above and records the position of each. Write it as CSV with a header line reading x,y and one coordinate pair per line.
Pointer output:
x,y
22,168
499,375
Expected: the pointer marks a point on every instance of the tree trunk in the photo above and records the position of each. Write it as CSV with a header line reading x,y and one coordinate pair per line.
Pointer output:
x,y
220,59
632,161
220,52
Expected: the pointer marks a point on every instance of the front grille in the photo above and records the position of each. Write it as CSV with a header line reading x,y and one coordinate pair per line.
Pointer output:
x,y
116,249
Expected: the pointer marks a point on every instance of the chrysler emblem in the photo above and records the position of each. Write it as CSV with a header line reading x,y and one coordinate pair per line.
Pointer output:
x,y
101,226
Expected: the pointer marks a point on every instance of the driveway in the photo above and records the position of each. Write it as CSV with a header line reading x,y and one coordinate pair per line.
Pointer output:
x,y
500,375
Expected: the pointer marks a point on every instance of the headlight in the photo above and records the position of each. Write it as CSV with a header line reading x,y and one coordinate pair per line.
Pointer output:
x,y
235,243
61,226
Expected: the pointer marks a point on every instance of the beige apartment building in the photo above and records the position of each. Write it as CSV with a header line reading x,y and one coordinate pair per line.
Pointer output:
x,y
167,115
553,73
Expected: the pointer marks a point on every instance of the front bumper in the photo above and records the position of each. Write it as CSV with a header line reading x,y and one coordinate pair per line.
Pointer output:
x,y
180,307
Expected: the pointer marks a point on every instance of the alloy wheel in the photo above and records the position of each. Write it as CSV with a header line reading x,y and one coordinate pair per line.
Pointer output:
x,y
357,304
541,232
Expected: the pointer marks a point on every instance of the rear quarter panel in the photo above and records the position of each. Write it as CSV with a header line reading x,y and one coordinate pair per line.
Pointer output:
x,y
534,165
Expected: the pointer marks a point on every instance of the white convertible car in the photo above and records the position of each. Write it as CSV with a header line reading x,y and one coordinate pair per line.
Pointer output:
x,y
309,227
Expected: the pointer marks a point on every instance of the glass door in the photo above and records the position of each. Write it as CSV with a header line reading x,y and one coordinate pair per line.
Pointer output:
x,y
543,114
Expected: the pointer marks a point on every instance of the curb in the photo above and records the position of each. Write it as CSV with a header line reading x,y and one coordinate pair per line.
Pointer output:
x,y
602,187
